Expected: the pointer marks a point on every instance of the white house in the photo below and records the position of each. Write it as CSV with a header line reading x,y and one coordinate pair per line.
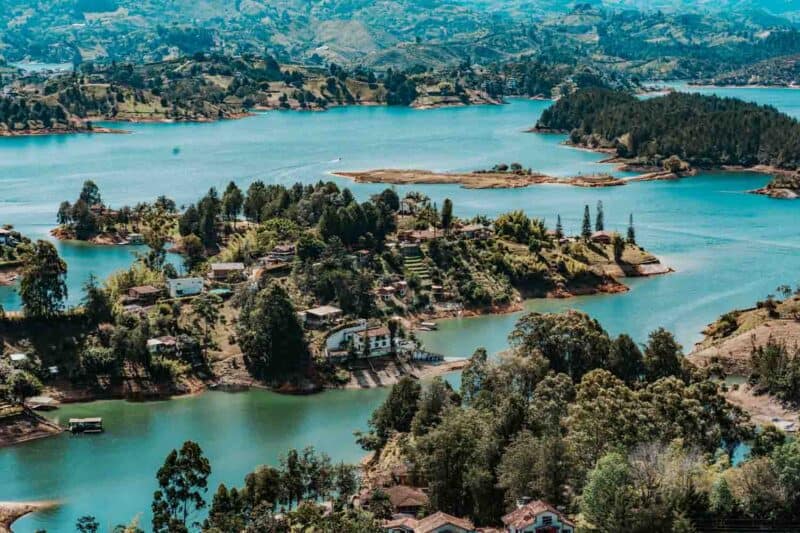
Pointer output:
x,y
378,337
184,287
537,517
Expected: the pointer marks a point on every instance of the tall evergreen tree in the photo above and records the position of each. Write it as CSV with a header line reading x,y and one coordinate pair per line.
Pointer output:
x,y
631,230
182,481
232,201
586,227
447,215
559,228
599,223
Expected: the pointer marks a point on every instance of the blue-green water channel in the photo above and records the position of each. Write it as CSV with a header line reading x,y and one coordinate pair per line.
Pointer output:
x,y
728,248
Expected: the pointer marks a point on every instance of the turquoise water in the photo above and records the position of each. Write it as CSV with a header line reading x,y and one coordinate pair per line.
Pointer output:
x,y
728,248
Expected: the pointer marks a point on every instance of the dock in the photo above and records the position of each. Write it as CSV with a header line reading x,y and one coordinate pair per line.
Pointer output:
x,y
86,425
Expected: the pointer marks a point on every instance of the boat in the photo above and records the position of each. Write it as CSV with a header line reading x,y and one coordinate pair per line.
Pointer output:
x,y
429,326
86,425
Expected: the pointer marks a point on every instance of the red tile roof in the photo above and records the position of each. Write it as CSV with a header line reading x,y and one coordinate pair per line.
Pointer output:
x,y
437,520
526,515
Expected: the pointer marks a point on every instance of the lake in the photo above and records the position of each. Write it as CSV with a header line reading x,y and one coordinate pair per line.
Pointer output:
x,y
728,248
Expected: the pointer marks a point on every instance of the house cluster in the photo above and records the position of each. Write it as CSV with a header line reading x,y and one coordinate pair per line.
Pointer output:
x,y
463,231
278,260
408,503
390,291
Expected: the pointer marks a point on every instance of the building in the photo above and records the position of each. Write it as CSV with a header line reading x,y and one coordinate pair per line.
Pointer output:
x,y
18,358
436,523
410,249
474,231
338,343
601,237
283,253
135,238
144,294
226,271
180,287
322,316
537,517
386,293
401,287
406,500
162,345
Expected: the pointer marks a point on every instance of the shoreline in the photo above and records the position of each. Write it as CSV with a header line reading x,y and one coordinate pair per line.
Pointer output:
x,y
251,112
10,512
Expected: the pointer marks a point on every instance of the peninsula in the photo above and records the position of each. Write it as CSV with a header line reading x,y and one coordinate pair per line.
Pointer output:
x,y
759,347
342,283
679,131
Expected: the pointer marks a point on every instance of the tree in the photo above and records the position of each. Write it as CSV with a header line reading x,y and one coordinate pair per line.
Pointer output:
x,y
586,226
395,414
64,216
534,467
625,360
87,524
232,202
447,215
559,228
270,334
206,308
433,401
607,499
194,252
96,302
618,246
90,194
599,223
662,355
721,501
182,481
189,221
22,385
767,440
255,200
43,286
631,231
572,342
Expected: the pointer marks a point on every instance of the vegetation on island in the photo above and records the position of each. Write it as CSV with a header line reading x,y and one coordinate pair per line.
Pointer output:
x,y
704,131
374,260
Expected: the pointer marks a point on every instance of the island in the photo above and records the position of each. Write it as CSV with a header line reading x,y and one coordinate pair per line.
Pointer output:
x,y
295,289
679,132
12,254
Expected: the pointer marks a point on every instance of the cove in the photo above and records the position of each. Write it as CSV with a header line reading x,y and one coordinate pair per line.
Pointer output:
x,y
728,248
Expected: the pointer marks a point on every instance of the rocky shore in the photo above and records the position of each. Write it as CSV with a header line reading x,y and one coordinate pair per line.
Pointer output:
x,y
12,511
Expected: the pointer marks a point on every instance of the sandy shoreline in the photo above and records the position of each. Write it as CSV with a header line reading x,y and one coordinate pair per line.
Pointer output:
x,y
12,511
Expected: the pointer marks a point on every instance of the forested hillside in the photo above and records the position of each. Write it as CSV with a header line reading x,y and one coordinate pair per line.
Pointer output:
x,y
701,130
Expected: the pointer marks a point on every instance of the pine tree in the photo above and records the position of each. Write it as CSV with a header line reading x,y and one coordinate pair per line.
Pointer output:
x,y
559,228
599,223
586,230
631,231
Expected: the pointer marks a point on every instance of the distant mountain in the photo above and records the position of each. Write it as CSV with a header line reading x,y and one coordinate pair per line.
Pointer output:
x,y
666,39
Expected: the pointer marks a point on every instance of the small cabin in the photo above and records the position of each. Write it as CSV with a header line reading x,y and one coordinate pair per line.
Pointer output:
x,y
162,345
144,293
86,425
537,517
224,271
324,315
135,238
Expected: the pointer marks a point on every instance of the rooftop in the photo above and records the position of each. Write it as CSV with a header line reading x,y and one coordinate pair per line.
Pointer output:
x,y
525,515
323,310
145,289
227,266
